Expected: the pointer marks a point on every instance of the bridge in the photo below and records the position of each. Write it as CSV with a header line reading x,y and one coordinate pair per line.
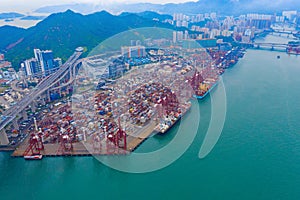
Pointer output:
x,y
285,32
47,84
268,45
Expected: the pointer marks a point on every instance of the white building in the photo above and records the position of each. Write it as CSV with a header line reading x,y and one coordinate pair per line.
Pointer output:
x,y
290,15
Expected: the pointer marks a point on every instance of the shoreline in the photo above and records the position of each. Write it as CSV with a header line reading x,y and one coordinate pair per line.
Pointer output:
x,y
84,149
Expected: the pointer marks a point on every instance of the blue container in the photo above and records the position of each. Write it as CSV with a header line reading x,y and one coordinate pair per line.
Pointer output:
x,y
102,112
54,96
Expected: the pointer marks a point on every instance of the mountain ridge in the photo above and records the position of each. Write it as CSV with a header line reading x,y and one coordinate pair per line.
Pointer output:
x,y
63,32
224,7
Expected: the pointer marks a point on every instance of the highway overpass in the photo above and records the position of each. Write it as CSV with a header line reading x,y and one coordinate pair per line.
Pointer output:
x,y
11,114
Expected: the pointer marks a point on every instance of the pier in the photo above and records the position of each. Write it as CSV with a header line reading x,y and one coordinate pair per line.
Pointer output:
x,y
85,149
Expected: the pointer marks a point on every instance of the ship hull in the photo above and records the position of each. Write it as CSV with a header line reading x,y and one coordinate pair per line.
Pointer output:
x,y
206,93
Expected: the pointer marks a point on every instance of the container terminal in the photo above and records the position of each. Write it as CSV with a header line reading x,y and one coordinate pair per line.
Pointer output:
x,y
114,116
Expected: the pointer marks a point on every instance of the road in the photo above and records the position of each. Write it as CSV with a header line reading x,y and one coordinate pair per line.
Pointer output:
x,y
45,84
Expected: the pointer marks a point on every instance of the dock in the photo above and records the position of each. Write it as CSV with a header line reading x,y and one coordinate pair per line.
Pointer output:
x,y
135,141
118,117
51,150
84,149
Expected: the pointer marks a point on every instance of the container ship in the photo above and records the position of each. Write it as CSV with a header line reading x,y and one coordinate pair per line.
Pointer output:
x,y
170,120
205,88
204,82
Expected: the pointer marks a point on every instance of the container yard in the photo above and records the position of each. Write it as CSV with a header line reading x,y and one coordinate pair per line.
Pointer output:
x,y
114,116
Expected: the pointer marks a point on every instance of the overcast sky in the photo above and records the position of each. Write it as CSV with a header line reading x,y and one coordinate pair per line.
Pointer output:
x,y
27,5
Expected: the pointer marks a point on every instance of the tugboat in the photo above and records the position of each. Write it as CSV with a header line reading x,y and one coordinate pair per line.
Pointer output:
x,y
34,157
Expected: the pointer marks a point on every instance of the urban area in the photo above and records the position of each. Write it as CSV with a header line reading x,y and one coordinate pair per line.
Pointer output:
x,y
55,108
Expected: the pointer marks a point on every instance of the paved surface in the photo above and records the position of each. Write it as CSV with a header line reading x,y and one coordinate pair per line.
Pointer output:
x,y
15,88
38,90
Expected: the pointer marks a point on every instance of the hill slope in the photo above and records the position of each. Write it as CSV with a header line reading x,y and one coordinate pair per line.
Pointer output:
x,y
63,32
10,35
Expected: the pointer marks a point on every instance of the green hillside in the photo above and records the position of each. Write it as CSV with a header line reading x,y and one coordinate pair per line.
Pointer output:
x,y
63,32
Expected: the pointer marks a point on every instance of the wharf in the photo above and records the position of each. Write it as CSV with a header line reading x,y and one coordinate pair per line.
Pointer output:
x,y
135,141
95,117
51,150
82,149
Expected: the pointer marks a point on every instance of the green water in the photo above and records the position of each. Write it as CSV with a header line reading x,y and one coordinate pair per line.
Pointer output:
x,y
256,157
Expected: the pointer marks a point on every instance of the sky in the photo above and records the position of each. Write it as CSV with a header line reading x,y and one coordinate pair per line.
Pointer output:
x,y
29,5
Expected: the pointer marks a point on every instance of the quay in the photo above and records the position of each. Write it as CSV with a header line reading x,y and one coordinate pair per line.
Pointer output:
x,y
148,100
81,149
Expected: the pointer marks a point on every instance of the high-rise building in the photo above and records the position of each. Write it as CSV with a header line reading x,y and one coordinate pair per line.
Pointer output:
x,y
57,62
213,16
32,67
186,34
115,70
179,35
133,51
178,23
174,37
45,60
185,24
289,15
298,20
42,64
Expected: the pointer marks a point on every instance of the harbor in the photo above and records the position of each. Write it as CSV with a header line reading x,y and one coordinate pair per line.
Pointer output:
x,y
241,144
207,108
115,115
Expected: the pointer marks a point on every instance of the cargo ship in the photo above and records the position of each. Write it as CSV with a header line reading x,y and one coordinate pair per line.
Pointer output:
x,y
204,82
169,121
202,93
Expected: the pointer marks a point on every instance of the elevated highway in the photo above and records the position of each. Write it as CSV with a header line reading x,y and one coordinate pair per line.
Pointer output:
x,y
11,114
